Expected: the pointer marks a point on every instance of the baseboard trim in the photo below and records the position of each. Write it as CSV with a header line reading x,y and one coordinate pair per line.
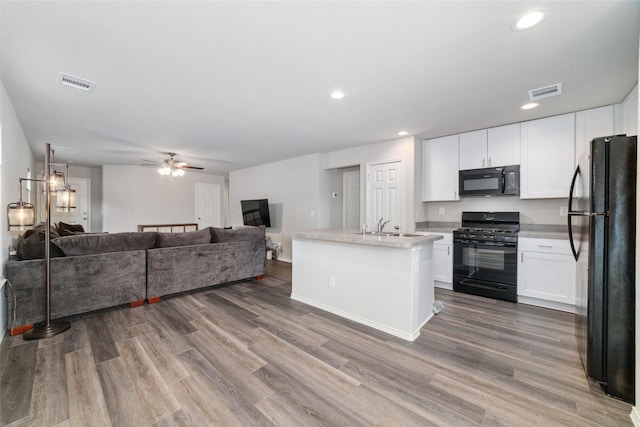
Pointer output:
x,y
362,320
635,416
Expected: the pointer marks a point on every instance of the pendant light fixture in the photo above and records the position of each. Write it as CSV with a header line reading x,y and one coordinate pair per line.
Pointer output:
x,y
20,215
66,196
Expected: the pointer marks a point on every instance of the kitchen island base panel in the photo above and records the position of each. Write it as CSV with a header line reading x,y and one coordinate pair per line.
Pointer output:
x,y
389,289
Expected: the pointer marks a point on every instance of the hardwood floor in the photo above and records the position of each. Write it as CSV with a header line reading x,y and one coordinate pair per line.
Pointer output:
x,y
246,354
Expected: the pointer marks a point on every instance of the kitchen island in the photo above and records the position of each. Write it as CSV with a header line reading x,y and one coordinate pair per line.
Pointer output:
x,y
382,281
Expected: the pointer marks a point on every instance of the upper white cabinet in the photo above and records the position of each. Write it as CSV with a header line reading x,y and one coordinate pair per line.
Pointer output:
x,y
503,145
592,124
547,157
473,150
484,148
440,169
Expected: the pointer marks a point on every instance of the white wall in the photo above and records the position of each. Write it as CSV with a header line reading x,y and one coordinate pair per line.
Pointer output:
x,y
293,189
133,195
16,160
394,150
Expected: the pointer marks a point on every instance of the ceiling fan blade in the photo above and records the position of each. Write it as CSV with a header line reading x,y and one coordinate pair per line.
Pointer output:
x,y
192,167
152,162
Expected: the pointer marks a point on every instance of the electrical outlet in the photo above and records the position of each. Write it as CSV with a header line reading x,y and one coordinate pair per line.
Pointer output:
x,y
563,211
440,211
332,281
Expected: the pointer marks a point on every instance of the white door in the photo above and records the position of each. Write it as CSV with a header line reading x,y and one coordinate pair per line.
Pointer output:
x,y
351,200
385,196
208,205
82,213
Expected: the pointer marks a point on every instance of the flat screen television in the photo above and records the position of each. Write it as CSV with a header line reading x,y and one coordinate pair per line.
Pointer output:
x,y
256,212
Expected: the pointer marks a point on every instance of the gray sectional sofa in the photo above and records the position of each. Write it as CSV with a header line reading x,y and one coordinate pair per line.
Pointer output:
x,y
96,271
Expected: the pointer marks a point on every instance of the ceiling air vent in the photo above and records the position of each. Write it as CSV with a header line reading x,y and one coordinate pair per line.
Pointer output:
x,y
76,82
545,92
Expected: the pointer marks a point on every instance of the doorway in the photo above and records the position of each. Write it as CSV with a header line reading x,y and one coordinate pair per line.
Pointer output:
x,y
351,200
385,195
208,202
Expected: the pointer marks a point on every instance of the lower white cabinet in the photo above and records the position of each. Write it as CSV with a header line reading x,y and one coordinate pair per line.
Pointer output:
x,y
443,261
546,273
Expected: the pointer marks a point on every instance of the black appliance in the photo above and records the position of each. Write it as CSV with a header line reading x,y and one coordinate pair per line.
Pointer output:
x,y
497,181
485,255
256,212
602,233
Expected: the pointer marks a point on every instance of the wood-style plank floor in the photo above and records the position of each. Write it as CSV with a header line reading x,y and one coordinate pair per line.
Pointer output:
x,y
246,354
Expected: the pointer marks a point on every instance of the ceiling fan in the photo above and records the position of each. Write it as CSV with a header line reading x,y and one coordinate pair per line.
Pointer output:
x,y
172,166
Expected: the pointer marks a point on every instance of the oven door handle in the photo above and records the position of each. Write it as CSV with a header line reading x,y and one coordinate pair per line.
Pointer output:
x,y
501,245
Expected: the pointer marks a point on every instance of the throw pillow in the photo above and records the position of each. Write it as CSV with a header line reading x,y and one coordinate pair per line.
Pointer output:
x,y
86,244
189,238
32,246
69,229
221,235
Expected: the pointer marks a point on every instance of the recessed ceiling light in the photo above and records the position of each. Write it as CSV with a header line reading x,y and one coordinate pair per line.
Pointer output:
x,y
337,95
529,106
528,20
403,133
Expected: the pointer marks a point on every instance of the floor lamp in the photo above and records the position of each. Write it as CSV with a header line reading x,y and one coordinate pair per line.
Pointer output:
x,y
15,211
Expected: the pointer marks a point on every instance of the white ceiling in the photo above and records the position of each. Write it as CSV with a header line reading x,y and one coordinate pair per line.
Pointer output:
x,y
228,85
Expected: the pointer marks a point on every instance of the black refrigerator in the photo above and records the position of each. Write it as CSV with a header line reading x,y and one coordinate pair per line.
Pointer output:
x,y
602,233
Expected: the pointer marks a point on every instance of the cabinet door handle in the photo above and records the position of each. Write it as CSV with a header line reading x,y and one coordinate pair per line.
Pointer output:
x,y
483,161
521,257
448,250
545,246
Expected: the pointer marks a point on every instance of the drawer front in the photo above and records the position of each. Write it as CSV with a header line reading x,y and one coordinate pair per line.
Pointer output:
x,y
552,246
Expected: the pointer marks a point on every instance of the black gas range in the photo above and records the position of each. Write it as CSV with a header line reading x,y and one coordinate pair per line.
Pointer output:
x,y
485,254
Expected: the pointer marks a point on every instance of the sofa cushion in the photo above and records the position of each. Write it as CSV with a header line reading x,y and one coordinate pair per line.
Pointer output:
x,y
85,244
32,246
221,235
69,229
189,238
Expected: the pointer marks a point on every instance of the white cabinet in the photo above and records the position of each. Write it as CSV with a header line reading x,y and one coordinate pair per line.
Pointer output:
x,y
592,124
503,145
440,169
443,261
499,146
547,158
473,150
546,273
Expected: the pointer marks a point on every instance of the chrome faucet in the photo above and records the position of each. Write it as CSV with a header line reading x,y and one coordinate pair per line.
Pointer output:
x,y
381,224
364,229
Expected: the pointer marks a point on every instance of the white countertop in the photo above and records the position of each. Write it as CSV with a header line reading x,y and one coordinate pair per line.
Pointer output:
x,y
356,237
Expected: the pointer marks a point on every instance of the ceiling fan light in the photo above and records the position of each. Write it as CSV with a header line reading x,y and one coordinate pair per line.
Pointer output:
x,y
177,172
165,170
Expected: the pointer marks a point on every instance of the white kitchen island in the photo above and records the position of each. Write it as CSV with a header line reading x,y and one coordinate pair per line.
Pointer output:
x,y
385,282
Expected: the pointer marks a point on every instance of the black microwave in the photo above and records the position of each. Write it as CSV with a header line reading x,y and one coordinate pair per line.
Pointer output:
x,y
498,181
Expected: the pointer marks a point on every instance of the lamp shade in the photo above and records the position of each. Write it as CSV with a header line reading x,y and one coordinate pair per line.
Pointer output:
x,y
66,199
20,215
56,181
165,170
